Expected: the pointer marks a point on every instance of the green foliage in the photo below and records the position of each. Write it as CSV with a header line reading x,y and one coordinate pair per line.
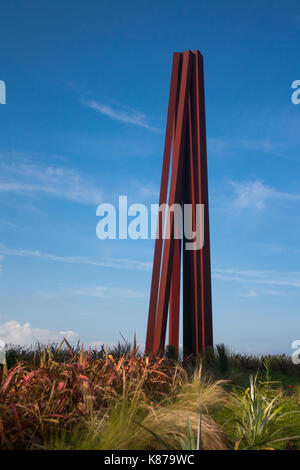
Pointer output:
x,y
277,363
189,443
260,416
222,358
171,352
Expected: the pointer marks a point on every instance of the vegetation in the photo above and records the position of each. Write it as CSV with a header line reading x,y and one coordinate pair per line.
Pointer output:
x,y
60,397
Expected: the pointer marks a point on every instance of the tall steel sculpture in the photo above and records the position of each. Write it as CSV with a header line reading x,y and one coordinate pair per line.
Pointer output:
x,y
186,140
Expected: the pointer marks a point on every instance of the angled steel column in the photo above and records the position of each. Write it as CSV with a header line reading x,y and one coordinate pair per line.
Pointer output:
x,y
186,138
177,59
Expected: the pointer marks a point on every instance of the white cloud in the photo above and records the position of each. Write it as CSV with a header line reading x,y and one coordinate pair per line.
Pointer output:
x,y
28,178
13,332
256,194
99,344
275,278
110,263
222,146
251,293
217,145
259,292
265,145
273,248
99,291
147,191
108,292
129,116
273,292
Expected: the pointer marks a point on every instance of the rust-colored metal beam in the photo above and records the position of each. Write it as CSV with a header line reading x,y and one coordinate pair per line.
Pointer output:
x,y
174,196
205,264
175,298
177,59
186,139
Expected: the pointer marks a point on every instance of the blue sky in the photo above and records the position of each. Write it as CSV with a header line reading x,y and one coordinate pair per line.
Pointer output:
x,y
87,93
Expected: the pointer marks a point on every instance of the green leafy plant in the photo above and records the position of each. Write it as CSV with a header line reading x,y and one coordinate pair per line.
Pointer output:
x,y
259,417
189,443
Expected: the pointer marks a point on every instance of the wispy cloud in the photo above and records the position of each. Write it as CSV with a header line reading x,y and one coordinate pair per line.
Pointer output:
x,y
28,178
106,292
274,278
259,292
272,248
146,190
256,194
221,146
251,293
6,224
110,263
127,115
275,248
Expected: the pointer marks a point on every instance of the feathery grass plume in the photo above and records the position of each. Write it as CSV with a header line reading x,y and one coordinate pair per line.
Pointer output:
x,y
169,424
168,419
188,388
